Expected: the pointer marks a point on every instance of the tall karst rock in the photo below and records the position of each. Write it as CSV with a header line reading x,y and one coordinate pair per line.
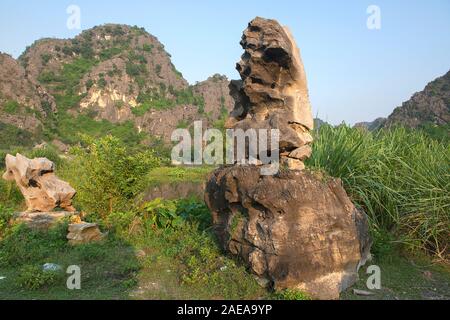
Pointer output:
x,y
273,92
293,228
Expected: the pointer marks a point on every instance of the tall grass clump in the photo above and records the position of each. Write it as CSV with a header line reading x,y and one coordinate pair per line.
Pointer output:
x,y
399,177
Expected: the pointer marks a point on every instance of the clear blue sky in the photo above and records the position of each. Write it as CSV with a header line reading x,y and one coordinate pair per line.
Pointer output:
x,y
355,74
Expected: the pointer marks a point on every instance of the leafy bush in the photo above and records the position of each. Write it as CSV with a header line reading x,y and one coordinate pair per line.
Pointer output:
x,y
45,58
147,47
48,152
33,277
400,177
165,214
11,136
108,175
21,245
11,107
71,128
290,294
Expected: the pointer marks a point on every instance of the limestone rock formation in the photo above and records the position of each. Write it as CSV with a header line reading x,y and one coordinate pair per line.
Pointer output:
x,y
273,92
84,232
42,220
43,191
293,229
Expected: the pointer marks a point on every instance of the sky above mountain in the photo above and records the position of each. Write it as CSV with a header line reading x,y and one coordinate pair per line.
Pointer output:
x,y
355,73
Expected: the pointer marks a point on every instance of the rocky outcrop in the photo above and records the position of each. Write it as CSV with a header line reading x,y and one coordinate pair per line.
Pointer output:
x,y
42,220
432,105
429,106
36,179
371,126
23,102
273,92
294,229
84,232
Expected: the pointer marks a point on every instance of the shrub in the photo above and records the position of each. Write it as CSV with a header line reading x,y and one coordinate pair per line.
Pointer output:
x,y
11,136
11,107
33,277
48,152
45,58
147,47
108,175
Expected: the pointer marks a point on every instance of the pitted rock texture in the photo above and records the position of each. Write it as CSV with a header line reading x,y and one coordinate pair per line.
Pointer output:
x,y
42,220
43,191
273,92
83,232
293,229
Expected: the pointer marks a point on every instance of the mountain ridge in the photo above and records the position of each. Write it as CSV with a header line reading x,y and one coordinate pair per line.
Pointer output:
x,y
116,73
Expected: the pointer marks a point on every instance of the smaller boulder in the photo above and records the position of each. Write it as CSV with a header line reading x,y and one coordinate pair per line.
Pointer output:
x,y
42,220
84,232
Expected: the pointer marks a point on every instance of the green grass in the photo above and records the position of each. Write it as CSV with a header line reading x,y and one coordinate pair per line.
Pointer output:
x,y
108,269
399,177
137,261
178,174
405,278
11,136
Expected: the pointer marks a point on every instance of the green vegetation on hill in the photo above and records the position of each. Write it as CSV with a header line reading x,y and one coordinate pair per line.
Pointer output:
x,y
11,137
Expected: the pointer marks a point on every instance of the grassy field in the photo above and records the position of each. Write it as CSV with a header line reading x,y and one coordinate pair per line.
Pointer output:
x,y
164,249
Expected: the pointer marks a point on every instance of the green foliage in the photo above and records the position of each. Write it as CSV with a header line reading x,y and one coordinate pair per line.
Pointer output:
x,y
11,107
5,214
48,152
105,265
110,175
291,294
163,213
201,266
147,47
71,128
439,133
177,174
89,84
22,245
110,52
45,58
158,69
32,277
11,136
400,177
133,69
173,214
101,83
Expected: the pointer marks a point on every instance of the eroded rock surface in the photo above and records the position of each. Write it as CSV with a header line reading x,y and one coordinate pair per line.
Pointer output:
x,y
42,220
273,92
43,191
84,232
293,229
